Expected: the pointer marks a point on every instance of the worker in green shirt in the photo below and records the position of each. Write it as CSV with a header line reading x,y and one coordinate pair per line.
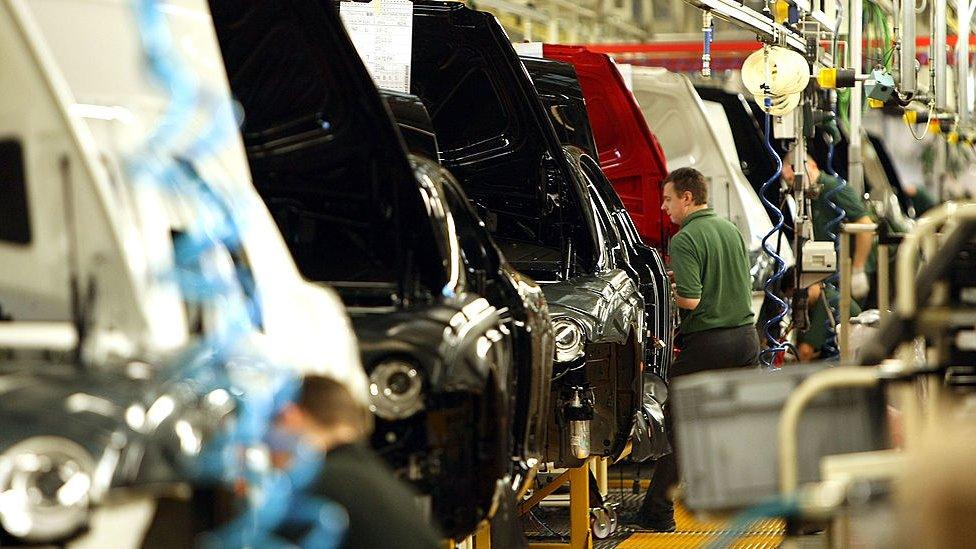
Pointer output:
x,y
920,200
713,290
810,342
855,211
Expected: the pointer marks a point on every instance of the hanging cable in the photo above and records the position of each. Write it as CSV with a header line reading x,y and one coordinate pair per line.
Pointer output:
x,y
830,344
708,29
774,346
210,270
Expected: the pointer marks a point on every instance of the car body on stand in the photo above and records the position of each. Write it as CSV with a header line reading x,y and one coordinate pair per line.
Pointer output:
x,y
628,151
496,138
327,158
518,296
694,135
561,94
94,400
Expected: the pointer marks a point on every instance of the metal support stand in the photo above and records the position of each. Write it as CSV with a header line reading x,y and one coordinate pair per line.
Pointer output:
x,y
579,507
844,306
600,466
884,280
482,538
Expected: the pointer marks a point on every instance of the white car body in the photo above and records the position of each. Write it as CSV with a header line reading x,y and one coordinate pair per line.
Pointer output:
x,y
696,133
79,99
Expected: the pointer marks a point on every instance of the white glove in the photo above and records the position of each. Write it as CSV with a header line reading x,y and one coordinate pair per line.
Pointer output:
x,y
859,284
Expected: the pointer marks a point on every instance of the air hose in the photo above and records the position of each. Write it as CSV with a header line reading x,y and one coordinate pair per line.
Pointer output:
x,y
830,349
774,346
208,269
708,30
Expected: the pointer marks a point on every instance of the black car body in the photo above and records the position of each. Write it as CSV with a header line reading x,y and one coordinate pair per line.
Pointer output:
x,y
496,138
560,91
520,299
327,159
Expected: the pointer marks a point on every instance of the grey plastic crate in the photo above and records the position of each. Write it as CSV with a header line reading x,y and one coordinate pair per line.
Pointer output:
x,y
727,424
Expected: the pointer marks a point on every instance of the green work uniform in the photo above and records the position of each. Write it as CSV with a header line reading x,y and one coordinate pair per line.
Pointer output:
x,y
847,199
922,202
710,263
854,209
816,334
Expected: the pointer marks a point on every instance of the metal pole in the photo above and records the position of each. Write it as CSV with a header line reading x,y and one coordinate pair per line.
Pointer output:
x,y
855,168
939,52
962,62
906,59
884,301
844,307
579,508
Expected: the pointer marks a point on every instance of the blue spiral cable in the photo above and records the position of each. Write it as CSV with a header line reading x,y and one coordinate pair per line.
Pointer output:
x,y
205,276
773,345
830,349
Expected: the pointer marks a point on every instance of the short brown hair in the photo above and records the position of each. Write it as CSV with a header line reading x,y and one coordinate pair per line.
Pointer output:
x,y
329,404
689,180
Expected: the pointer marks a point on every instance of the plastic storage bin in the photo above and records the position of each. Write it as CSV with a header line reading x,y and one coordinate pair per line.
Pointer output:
x,y
727,423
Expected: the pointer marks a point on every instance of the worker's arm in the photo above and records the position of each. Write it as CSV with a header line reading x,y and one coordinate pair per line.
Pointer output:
x,y
862,245
686,268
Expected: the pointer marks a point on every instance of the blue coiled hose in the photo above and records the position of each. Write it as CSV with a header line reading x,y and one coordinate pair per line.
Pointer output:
x,y
830,344
773,345
207,272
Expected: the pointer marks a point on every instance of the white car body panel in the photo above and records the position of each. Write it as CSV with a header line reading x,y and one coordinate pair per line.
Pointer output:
x,y
696,133
75,87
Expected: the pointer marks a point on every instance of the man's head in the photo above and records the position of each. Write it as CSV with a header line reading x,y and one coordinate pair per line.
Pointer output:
x,y
813,171
685,191
326,415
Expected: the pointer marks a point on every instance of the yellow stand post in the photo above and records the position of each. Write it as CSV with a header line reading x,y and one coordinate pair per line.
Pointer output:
x,y
600,468
579,508
482,538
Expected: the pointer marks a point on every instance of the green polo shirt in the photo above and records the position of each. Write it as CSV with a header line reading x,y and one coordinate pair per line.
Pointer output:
x,y
847,199
923,201
710,262
816,334
854,209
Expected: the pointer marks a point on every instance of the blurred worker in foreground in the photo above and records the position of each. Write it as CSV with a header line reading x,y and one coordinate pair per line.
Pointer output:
x,y
382,509
713,289
854,212
822,301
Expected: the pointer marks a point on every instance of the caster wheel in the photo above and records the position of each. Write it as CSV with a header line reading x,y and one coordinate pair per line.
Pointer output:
x,y
600,523
614,522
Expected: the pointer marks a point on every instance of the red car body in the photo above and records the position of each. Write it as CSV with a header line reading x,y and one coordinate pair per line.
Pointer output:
x,y
629,153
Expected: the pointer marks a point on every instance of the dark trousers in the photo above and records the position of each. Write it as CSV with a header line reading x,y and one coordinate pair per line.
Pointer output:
x,y
701,351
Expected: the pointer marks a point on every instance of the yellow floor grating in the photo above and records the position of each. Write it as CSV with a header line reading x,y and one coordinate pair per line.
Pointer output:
x,y
696,533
